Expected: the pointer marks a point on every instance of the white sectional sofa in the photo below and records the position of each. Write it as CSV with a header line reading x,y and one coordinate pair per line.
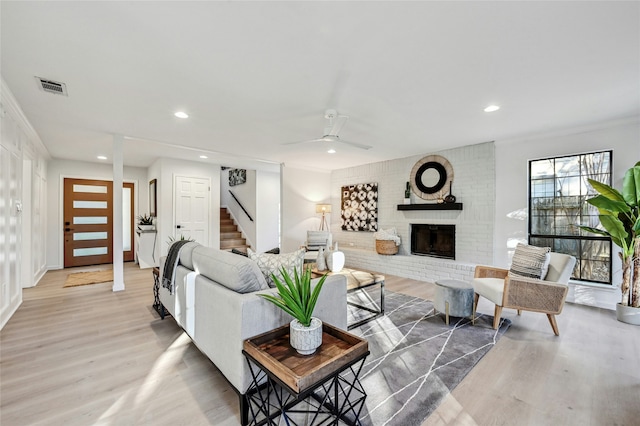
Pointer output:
x,y
215,301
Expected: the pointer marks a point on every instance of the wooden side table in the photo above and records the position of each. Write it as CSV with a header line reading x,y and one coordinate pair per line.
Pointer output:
x,y
326,381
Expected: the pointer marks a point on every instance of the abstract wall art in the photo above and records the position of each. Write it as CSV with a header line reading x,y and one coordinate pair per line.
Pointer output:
x,y
237,176
359,208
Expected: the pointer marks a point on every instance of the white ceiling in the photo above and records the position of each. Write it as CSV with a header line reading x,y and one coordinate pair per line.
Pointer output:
x,y
413,77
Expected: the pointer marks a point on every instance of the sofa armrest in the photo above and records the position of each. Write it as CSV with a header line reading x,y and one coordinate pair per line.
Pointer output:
x,y
534,295
490,272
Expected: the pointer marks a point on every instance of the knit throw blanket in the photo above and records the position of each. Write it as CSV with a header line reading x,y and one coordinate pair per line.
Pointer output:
x,y
173,257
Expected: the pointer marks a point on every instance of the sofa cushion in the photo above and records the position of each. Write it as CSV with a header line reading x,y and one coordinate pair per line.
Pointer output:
x,y
272,263
232,271
530,261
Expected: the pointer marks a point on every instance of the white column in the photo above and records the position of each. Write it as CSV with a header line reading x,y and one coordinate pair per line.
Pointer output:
x,y
118,256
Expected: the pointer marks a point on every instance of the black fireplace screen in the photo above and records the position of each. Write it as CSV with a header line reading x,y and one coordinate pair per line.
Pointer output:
x,y
433,240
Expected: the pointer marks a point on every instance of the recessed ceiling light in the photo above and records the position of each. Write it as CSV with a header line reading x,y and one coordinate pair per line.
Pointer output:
x,y
101,157
181,114
491,108
203,156
332,151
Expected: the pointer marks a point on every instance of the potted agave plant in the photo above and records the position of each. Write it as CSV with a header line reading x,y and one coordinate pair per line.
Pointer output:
x,y
296,298
145,222
620,218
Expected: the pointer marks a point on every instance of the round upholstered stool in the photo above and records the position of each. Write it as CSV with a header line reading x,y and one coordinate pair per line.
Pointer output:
x,y
454,298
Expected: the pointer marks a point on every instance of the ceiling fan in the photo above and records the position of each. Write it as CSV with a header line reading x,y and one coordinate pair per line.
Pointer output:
x,y
335,123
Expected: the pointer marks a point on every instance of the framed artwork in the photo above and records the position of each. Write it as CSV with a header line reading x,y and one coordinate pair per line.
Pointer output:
x,y
359,207
153,202
237,176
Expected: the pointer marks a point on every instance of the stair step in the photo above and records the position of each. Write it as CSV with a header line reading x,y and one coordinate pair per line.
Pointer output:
x,y
233,243
228,228
226,222
230,235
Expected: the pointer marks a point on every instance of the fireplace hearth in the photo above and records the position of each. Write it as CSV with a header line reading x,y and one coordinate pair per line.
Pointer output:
x,y
433,240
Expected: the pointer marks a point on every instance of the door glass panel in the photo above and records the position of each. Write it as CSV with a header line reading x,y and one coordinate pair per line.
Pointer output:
x,y
126,219
81,236
89,204
92,251
89,220
94,189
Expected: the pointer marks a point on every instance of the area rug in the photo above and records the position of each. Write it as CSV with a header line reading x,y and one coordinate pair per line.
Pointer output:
x,y
416,359
85,278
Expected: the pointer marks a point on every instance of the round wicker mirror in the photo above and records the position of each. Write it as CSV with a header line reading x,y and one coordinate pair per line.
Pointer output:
x,y
431,177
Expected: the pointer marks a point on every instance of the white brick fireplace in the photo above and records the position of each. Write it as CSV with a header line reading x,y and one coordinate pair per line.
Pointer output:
x,y
473,186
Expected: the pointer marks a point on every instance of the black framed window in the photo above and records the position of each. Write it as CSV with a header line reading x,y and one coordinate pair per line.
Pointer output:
x,y
558,188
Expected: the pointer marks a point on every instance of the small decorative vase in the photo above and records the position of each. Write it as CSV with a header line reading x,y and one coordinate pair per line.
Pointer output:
x,y
407,200
335,261
303,339
321,264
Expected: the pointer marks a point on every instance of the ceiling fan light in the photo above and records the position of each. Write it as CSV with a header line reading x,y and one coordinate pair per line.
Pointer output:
x,y
491,108
331,151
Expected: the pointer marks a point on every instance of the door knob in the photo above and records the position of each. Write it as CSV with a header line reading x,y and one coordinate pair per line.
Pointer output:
x,y
178,226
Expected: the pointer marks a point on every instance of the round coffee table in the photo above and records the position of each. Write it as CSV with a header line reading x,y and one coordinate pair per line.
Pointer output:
x,y
454,298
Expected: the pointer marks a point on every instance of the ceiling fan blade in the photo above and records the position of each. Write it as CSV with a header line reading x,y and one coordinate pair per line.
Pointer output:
x,y
338,122
297,142
357,145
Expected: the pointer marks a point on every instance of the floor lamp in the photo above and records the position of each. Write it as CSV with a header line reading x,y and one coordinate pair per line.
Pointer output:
x,y
323,208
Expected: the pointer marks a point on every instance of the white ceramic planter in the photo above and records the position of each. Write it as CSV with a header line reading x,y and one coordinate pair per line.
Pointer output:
x,y
305,339
628,314
146,227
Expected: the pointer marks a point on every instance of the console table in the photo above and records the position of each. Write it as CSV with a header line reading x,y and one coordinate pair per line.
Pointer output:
x,y
291,386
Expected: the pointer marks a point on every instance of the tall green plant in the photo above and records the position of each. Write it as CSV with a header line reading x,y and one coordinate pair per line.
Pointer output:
x,y
295,296
620,217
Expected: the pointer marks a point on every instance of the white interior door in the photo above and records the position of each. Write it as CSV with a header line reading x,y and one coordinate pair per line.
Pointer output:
x,y
192,203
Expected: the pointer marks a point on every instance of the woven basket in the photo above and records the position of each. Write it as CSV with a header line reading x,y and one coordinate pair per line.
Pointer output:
x,y
386,247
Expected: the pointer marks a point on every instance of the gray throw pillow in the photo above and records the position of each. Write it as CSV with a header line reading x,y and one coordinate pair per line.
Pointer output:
x,y
530,261
272,263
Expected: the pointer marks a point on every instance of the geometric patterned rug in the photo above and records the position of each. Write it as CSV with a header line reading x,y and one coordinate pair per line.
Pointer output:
x,y
84,278
416,359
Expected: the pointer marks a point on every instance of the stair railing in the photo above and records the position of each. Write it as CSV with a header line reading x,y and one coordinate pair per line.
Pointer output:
x,y
241,206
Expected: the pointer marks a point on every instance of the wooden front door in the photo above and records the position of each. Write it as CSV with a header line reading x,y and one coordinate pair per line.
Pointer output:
x,y
88,222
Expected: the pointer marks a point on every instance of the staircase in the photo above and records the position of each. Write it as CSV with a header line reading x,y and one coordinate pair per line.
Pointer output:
x,y
230,237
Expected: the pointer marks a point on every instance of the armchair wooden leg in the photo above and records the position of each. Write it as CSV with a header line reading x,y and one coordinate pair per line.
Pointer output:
x,y
476,297
519,311
554,325
496,317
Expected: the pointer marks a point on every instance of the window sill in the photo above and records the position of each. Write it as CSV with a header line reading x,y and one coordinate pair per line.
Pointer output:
x,y
594,285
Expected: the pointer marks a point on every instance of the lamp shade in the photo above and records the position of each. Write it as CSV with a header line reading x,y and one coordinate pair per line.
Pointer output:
x,y
323,208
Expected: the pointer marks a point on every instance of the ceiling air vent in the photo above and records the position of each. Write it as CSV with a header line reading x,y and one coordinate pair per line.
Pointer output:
x,y
52,86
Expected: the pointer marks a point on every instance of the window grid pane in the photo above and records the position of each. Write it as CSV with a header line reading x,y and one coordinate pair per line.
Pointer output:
x,y
558,189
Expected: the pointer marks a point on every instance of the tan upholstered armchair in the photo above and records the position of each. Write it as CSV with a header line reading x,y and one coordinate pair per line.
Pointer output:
x,y
526,294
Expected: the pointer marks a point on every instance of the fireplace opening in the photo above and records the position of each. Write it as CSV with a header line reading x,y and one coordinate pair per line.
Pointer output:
x,y
433,240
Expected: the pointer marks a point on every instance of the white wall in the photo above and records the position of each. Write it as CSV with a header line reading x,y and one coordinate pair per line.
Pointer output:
x,y
58,170
512,156
22,233
473,185
301,191
267,210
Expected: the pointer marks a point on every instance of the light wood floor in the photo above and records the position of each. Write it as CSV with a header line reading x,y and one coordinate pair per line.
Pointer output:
x,y
88,356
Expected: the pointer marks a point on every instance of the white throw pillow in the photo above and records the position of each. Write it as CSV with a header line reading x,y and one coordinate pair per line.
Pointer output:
x,y
272,263
530,261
